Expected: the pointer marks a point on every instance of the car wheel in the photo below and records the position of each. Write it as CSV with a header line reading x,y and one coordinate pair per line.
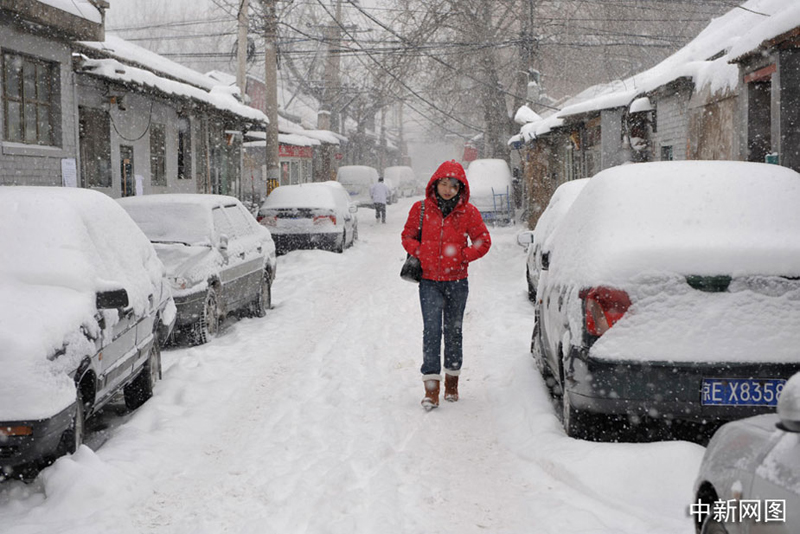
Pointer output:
x,y
712,526
72,438
340,246
207,326
531,288
141,389
264,298
572,419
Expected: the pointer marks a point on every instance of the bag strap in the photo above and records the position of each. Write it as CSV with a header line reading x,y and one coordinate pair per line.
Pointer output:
x,y
421,214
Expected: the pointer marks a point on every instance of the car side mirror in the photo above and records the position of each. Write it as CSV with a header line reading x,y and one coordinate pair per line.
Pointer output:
x,y
114,299
353,208
223,244
789,406
525,238
545,260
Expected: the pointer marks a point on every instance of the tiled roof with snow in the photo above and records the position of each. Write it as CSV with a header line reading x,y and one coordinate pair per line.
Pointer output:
x,y
79,8
132,54
112,69
735,33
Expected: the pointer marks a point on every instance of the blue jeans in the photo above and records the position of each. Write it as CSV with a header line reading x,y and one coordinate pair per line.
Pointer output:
x,y
442,306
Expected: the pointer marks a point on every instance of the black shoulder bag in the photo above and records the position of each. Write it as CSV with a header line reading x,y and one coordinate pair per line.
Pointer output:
x,y
412,269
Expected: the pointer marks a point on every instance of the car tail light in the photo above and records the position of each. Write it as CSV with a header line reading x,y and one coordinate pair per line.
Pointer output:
x,y
268,221
324,219
603,307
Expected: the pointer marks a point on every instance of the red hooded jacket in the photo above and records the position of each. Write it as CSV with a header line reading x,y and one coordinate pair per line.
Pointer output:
x,y
444,252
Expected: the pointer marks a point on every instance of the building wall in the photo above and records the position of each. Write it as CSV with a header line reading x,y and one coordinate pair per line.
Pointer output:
x,y
713,130
611,134
131,122
789,80
672,125
22,164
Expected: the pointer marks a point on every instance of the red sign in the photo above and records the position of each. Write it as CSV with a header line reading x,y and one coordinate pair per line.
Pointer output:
x,y
470,153
338,155
292,151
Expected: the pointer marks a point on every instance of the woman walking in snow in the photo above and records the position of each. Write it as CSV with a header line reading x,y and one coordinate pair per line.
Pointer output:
x,y
444,254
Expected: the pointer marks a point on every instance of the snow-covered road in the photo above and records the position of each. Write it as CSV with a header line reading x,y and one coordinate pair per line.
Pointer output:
x,y
308,421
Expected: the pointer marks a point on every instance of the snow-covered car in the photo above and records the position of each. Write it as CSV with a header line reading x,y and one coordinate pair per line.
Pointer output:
x,y
357,179
672,289
562,199
219,260
491,190
404,179
748,480
392,187
313,215
86,303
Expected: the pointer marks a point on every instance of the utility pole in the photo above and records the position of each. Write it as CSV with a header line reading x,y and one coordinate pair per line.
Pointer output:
x,y
528,53
241,50
271,96
332,63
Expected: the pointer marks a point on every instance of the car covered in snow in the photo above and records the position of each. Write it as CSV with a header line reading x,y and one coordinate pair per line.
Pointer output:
x,y
748,480
671,292
219,260
403,178
562,199
85,307
357,179
491,190
313,215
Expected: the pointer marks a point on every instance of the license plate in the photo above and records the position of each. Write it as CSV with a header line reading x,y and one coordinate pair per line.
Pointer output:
x,y
741,391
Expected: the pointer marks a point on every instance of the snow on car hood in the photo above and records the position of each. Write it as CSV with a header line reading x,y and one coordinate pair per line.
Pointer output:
x,y
192,263
37,325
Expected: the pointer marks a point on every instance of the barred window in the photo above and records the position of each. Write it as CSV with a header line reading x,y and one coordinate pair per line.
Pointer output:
x,y
158,155
184,149
30,99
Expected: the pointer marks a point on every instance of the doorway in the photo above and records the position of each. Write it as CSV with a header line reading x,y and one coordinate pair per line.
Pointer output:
x,y
127,179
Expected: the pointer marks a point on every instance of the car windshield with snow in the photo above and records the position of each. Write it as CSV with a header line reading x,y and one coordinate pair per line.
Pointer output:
x,y
672,291
491,190
560,202
314,215
90,308
218,258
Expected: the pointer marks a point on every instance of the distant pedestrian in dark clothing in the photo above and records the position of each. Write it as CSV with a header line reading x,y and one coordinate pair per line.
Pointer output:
x,y
449,219
380,194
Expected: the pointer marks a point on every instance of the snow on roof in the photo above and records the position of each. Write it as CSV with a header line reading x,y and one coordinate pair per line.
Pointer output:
x,y
130,53
525,114
114,70
765,29
79,8
736,32
283,138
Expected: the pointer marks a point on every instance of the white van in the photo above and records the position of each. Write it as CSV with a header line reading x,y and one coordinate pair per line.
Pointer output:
x,y
357,179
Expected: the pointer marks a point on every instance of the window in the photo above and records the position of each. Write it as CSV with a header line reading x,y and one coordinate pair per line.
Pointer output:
x,y
30,100
666,153
95,146
184,149
158,158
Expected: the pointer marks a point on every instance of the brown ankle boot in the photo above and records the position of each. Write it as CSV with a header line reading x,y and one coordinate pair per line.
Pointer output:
x,y
431,399
450,388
